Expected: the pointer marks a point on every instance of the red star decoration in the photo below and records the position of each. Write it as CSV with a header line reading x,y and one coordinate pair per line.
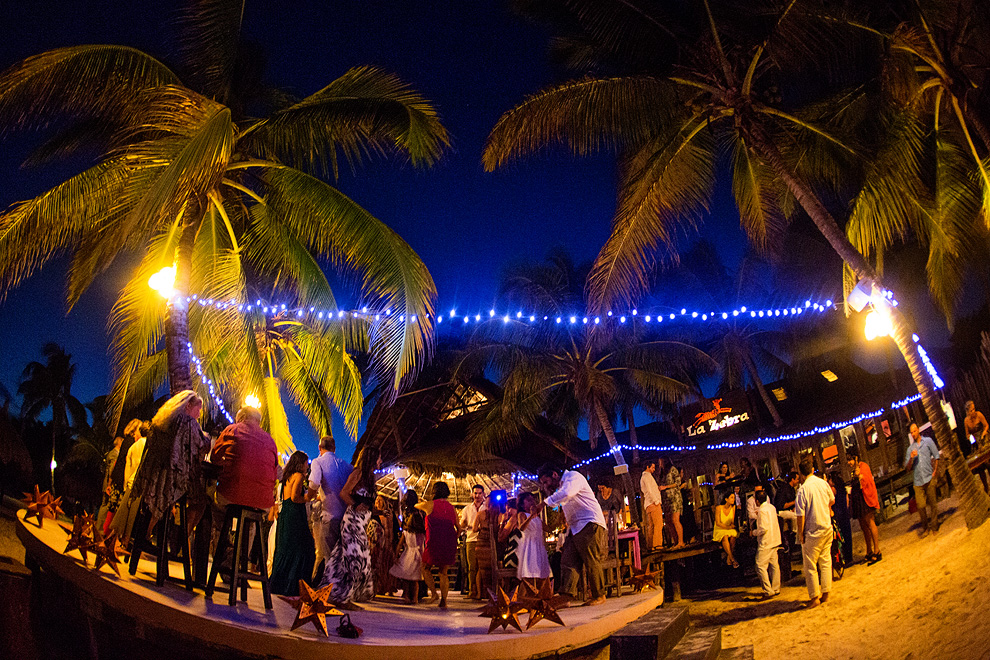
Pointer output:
x,y
312,606
503,610
106,551
541,602
81,535
642,579
41,505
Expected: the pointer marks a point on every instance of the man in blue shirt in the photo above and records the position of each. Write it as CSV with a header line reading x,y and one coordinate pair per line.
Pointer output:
x,y
922,454
327,476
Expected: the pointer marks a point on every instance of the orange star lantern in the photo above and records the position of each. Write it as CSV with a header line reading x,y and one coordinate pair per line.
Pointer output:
x,y
41,505
541,602
81,536
503,610
106,551
312,606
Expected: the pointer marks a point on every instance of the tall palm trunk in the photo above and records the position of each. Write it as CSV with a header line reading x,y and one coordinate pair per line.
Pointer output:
x,y
972,498
761,388
627,481
177,317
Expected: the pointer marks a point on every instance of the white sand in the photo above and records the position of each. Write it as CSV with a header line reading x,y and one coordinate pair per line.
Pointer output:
x,y
927,598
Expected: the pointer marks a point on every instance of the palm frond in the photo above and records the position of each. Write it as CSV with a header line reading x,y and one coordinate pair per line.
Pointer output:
x,y
395,282
757,193
668,187
364,111
585,116
209,35
278,422
77,82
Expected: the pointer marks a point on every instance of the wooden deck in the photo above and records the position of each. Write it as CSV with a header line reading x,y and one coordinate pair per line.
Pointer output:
x,y
171,622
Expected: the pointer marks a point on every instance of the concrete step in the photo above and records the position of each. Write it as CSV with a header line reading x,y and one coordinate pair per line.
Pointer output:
x,y
650,637
737,653
698,644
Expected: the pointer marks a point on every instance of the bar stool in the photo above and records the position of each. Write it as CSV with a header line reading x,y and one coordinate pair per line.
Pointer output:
x,y
238,572
158,545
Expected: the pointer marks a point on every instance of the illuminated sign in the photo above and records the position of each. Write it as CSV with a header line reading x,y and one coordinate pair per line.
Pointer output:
x,y
717,417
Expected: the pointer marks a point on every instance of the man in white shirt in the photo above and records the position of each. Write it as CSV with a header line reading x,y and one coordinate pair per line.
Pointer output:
x,y
327,476
585,541
468,515
814,529
767,533
652,506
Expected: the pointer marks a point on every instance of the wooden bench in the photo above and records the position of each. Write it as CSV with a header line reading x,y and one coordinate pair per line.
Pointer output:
x,y
672,573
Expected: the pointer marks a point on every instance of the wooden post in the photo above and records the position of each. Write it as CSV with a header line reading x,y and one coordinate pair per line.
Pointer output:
x,y
841,446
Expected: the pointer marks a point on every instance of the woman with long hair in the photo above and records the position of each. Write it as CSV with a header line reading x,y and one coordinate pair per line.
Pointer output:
x,y
381,537
841,513
409,566
348,567
725,527
442,530
295,550
172,465
673,504
117,481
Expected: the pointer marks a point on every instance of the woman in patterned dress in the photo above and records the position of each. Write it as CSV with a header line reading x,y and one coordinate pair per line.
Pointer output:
x,y
381,535
673,505
348,567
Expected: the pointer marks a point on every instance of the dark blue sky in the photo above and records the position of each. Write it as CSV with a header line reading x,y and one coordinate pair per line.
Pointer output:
x,y
474,59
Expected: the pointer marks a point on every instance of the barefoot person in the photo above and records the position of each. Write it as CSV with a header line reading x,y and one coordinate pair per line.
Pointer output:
x,y
864,502
724,531
652,504
814,529
673,503
442,530
586,530
922,455
767,533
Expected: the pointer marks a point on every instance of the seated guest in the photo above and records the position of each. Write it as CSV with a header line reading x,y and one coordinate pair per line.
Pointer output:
x,y
295,551
172,465
248,461
725,527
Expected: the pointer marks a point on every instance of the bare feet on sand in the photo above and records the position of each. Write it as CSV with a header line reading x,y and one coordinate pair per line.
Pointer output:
x,y
595,601
814,602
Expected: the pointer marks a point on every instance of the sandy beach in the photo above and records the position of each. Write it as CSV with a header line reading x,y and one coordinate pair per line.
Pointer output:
x,y
925,599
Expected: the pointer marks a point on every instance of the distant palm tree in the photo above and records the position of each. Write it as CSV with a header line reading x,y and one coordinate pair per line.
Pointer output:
x,y
672,121
571,371
187,175
48,386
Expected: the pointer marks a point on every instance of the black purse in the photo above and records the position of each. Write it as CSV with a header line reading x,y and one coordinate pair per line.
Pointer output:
x,y
347,629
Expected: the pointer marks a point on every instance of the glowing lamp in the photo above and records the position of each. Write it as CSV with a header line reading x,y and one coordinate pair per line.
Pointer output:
x,y
877,325
164,282
252,401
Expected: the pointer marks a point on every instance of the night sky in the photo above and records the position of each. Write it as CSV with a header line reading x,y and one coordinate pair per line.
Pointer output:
x,y
474,59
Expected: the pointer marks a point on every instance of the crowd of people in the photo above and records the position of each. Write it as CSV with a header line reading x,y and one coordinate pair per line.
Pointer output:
x,y
329,526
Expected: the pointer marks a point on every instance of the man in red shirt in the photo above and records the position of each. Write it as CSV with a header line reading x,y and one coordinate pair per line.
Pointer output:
x,y
248,462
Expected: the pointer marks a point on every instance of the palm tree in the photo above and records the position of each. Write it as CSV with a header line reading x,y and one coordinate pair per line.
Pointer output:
x,y
571,371
668,122
935,140
187,177
49,386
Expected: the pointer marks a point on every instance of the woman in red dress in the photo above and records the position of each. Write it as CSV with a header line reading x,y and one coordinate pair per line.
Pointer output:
x,y
442,530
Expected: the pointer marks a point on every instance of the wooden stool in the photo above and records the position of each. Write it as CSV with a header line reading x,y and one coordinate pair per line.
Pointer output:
x,y
158,544
238,572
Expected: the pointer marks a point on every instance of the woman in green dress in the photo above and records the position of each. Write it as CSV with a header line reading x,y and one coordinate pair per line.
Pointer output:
x,y
295,551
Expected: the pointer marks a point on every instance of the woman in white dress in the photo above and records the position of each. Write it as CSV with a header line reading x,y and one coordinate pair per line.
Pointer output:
x,y
532,550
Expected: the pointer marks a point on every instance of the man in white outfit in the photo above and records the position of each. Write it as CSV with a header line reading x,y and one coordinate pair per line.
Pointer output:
x,y
767,534
814,529
652,506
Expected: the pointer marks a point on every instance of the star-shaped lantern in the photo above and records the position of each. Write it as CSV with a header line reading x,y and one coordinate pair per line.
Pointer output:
x,y
503,610
41,505
541,602
642,579
107,551
81,535
312,606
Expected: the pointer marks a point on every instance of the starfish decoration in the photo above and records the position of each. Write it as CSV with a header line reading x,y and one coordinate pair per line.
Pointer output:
x,y
81,536
312,606
541,602
642,579
41,505
503,610
106,551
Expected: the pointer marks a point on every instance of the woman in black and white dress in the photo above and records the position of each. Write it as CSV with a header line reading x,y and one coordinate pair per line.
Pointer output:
x,y
348,567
